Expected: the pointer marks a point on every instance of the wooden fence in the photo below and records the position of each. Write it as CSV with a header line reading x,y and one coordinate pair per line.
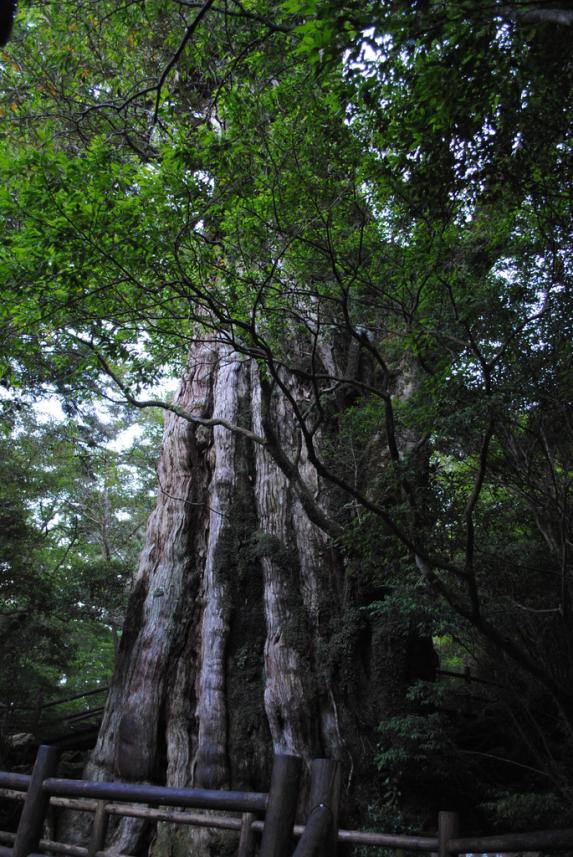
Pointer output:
x,y
45,723
271,815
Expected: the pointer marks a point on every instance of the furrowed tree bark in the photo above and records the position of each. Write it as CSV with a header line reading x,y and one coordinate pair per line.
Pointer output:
x,y
241,637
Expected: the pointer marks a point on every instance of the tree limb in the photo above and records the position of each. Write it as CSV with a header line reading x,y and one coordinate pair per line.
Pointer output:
x,y
562,17
167,406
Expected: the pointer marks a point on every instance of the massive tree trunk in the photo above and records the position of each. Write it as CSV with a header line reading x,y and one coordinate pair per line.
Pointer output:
x,y
243,634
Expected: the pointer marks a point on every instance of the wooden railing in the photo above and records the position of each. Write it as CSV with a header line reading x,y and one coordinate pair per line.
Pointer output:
x,y
270,814
33,718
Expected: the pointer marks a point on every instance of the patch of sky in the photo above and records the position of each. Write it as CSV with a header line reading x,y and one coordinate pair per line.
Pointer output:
x,y
202,177
467,368
374,49
125,439
48,408
101,90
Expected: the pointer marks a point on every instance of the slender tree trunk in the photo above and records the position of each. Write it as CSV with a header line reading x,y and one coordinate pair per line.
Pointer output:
x,y
243,635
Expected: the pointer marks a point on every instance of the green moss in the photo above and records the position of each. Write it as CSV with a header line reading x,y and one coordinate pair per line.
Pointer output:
x,y
338,646
172,841
248,734
267,546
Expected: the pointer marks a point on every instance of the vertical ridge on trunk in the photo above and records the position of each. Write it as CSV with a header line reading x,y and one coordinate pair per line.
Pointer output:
x,y
131,722
210,761
292,551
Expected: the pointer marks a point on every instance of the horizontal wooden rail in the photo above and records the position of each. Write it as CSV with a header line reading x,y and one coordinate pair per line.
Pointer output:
x,y
389,840
54,702
541,840
18,782
75,697
220,822
83,850
356,837
233,801
10,794
467,676
81,715
51,845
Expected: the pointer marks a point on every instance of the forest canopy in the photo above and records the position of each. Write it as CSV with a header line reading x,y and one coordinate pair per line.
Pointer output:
x,y
372,203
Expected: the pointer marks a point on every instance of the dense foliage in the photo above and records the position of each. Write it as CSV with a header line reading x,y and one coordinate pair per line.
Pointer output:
x,y
74,503
387,181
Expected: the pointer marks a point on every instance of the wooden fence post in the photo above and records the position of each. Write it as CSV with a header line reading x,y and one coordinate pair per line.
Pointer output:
x,y
325,776
99,830
320,836
247,838
31,823
281,807
448,828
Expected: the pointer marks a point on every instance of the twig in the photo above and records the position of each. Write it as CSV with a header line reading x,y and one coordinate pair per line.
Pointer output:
x,y
190,502
507,761
176,56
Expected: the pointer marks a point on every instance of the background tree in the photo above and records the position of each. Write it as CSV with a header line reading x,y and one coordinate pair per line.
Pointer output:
x,y
73,512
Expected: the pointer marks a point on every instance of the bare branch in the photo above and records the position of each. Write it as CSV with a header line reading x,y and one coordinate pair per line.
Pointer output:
x,y
469,513
167,406
176,56
542,15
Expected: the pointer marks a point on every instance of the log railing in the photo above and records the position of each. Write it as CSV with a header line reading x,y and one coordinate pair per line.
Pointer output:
x,y
270,814
54,702
32,717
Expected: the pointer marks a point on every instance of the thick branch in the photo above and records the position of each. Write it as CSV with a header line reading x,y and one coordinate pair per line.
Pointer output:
x,y
564,17
166,406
